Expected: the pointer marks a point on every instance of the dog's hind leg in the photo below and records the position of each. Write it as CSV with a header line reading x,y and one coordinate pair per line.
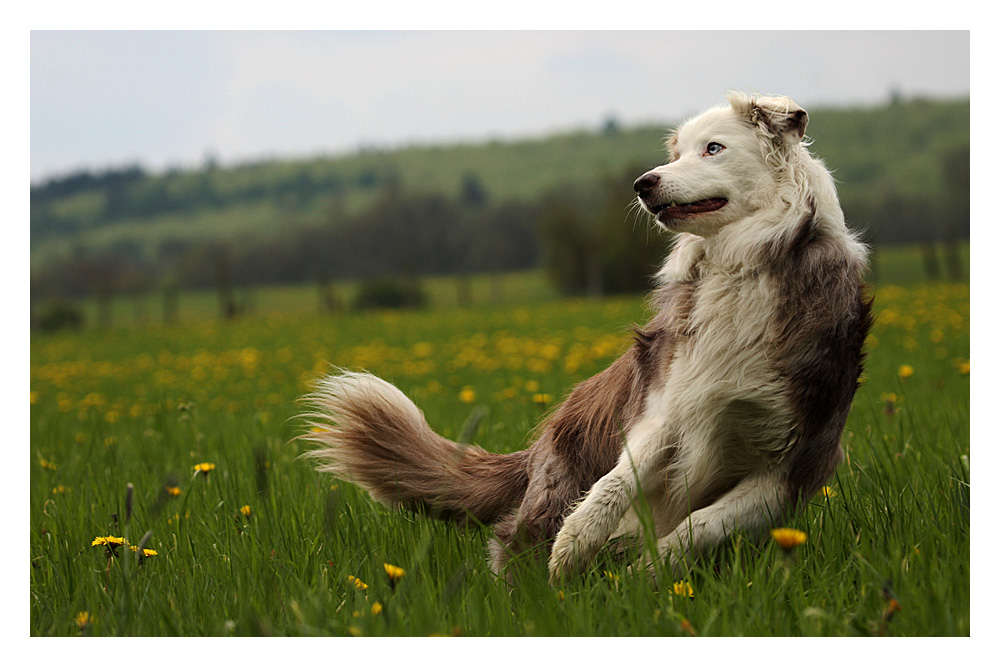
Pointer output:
x,y
755,503
530,529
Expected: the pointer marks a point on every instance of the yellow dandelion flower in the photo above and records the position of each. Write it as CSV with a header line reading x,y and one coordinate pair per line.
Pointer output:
x,y
173,491
355,632
828,492
245,510
82,620
146,553
963,368
788,538
905,371
48,465
683,589
561,595
541,399
611,575
467,395
34,397
203,468
109,541
61,489
357,583
394,573
110,544
376,609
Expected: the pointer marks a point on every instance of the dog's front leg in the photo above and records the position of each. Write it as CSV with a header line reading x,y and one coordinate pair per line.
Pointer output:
x,y
590,525
750,507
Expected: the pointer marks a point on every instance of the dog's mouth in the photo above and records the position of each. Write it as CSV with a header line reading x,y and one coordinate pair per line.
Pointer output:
x,y
671,210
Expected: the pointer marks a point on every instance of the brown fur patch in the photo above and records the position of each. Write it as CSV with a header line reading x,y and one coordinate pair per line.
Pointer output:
x,y
818,336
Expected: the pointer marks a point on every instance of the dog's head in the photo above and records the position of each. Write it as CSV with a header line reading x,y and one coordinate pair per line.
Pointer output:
x,y
724,164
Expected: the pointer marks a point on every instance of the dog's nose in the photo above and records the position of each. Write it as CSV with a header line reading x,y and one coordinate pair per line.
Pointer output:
x,y
644,184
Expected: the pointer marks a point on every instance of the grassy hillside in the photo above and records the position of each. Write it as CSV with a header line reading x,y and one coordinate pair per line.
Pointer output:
x,y
896,148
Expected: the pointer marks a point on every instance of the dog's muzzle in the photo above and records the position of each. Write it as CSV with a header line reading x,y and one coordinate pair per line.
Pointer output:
x,y
646,185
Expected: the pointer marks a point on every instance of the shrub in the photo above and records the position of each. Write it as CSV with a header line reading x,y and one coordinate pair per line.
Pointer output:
x,y
389,293
59,315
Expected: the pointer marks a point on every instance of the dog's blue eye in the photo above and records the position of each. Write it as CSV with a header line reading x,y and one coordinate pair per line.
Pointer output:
x,y
714,148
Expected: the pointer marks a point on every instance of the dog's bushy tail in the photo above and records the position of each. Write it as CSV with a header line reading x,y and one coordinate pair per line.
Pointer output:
x,y
369,433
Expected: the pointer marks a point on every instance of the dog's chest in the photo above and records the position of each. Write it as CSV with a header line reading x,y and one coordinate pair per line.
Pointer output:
x,y
722,389
727,330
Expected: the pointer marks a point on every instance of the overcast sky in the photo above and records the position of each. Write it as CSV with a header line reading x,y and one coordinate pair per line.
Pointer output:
x,y
164,99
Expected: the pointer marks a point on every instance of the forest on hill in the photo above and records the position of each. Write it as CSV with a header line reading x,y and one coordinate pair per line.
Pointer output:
x,y
563,202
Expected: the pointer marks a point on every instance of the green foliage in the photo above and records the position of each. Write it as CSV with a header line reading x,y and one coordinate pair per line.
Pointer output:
x,y
389,293
58,315
587,249
144,406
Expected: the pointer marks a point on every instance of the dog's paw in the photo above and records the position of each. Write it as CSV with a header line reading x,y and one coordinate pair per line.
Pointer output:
x,y
561,561
572,550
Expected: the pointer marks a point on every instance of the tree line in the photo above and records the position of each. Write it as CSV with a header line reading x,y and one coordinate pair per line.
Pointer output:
x,y
591,240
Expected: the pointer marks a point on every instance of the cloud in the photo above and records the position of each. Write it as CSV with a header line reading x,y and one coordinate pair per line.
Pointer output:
x,y
170,97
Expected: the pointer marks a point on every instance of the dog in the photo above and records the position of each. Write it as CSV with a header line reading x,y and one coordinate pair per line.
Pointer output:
x,y
724,415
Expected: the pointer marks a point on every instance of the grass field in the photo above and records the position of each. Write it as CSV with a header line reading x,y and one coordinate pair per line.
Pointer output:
x,y
261,544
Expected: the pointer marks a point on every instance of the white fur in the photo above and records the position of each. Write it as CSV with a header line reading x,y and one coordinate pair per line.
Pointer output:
x,y
719,412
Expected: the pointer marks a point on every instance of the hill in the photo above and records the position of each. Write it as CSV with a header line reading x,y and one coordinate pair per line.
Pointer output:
x,y
902,170
866,148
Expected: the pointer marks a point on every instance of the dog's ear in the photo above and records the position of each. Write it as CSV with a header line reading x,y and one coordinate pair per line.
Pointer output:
x,y
785,118
777,117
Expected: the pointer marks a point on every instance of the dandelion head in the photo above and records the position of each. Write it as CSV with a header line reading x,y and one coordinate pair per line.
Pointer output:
x,y
394,573
683,589
541,399
788,538
82,620
905,371
173,491
357,583
245,510
146,553
467,395
203,468
376,609
110,541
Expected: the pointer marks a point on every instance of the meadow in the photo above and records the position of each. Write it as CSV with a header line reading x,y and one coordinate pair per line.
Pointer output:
x,y
234,534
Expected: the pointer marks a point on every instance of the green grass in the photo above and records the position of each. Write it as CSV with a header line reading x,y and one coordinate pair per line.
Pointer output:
x,y
144,405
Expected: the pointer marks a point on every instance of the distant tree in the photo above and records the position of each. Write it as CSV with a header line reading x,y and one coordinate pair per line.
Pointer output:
x,y
592,247
611,125
473,193
955,167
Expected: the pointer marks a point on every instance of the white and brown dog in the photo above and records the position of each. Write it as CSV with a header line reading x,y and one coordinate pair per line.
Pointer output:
x,y
726,412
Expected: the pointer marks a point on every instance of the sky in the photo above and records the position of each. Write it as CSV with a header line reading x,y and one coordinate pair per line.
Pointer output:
x,y
163,99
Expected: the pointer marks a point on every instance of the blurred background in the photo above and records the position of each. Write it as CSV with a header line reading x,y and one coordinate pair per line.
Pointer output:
x,y
240,171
